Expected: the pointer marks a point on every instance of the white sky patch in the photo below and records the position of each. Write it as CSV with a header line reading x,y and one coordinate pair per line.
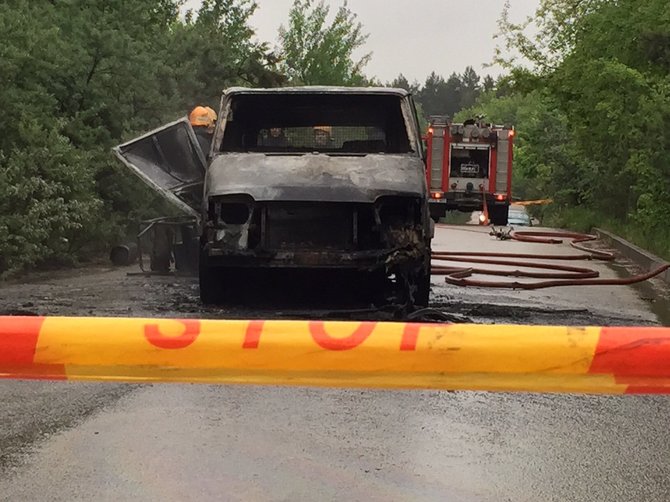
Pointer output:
x,y
412,37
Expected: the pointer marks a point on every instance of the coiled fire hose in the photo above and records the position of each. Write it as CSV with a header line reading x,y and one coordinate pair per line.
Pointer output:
x,y
559,275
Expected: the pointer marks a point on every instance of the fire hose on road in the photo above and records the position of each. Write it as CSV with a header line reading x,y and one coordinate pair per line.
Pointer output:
x,y
554,275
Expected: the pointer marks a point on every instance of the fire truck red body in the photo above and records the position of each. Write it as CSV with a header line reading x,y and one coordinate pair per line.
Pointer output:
x,y
467,163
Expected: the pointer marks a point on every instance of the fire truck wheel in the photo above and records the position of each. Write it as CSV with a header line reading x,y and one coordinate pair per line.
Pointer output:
x,y
498,215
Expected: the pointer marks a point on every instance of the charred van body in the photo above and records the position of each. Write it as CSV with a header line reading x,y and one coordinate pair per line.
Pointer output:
x,y
312,178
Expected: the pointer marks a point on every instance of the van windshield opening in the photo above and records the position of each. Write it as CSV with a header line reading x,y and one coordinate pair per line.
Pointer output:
x,y
329,123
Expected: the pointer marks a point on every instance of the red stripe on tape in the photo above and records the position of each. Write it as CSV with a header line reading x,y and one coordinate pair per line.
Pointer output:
x,y
252,337
633,389
18,339
410,335
325,341
632,352
154,335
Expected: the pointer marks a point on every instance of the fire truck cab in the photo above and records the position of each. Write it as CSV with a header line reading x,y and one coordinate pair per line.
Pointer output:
x,y
469,163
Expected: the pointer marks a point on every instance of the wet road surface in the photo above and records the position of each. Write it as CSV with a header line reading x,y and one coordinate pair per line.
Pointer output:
x,y
83,441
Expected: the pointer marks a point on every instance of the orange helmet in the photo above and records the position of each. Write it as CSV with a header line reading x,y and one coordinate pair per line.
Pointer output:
x,y
211,113
202,116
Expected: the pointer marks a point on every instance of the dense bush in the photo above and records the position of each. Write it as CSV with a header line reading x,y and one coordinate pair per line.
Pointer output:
x,y
593,114
78,77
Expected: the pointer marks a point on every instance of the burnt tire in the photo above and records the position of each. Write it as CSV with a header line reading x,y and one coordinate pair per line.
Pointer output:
x,y
436,214
212,291
210,287
422,289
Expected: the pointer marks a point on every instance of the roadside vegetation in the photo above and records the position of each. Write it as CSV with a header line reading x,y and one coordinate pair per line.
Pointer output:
x,y
80,76
592,112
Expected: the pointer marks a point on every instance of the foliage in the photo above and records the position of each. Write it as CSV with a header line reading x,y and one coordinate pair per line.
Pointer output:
x,y
46,199
78,77
583,219
591,105
401,82
557,25
318,52
593,112
438,96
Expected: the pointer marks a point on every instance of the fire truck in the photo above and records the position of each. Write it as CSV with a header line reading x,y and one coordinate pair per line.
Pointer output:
x,y
469,163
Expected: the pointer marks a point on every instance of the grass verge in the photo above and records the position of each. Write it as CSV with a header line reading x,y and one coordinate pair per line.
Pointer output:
x,y
656,241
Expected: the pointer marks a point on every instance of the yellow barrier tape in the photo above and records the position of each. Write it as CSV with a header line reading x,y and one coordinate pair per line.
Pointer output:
x,y
339,354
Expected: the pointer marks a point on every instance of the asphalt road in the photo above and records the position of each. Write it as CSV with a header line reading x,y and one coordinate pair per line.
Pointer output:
x,y
75,441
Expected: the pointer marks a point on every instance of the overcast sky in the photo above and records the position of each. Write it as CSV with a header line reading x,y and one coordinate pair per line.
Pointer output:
x,y
412,37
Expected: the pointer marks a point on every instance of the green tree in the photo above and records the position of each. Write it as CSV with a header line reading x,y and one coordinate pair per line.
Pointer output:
x,y
555,28
46,189
401,82
433,96
603,68
215,49
78,77
447,97
315,51
470,88
489,84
